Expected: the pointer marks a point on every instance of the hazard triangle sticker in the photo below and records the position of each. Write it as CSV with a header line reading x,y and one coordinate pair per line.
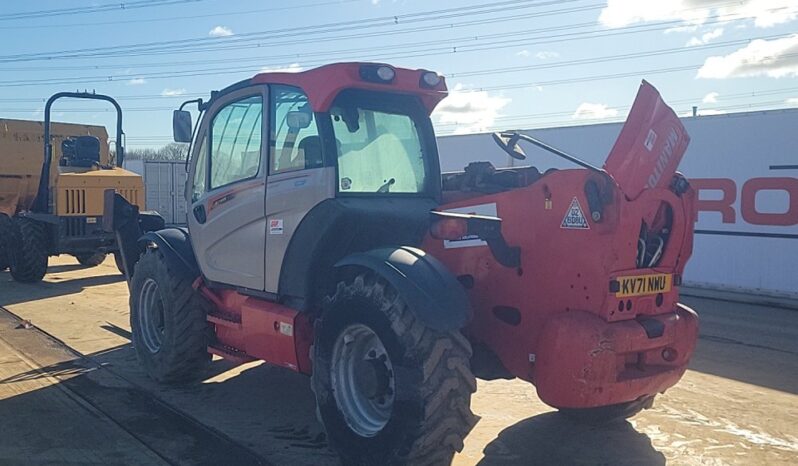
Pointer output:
x,y
574,218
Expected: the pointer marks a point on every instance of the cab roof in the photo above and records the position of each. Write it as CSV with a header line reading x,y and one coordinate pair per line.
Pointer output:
x,y
323,84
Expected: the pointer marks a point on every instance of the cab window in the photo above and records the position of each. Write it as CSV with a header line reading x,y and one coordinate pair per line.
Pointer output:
x,y
236,142
380,149
295,142
200,175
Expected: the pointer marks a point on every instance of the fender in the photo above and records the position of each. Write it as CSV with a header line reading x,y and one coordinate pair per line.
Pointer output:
x,y
431,291
175,244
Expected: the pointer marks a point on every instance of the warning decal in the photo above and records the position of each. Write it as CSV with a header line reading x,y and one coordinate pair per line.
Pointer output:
x,y
574,218
276,226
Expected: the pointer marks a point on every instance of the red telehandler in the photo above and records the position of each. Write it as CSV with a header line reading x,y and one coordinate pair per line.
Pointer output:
x,y
323,238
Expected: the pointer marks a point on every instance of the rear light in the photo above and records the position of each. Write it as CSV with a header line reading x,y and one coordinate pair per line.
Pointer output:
x,y
377,73
429,79
449,228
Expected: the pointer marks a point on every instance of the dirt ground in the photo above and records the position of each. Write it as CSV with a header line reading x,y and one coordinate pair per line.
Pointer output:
x,y
79,396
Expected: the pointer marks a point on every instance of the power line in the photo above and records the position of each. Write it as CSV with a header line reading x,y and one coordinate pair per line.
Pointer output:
x,y
181,44
414,30
119,6
180,17
433,50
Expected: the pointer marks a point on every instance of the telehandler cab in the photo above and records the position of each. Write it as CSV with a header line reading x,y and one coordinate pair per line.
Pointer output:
x,y
322,238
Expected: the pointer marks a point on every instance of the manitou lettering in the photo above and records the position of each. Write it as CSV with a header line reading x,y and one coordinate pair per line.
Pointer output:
x,y
750,212
664,157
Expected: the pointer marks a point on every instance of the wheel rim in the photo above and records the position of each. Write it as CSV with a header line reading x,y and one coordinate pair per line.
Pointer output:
x,y
151,315
362,380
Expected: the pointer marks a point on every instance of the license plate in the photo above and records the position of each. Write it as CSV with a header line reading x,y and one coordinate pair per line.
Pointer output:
x,y
641,285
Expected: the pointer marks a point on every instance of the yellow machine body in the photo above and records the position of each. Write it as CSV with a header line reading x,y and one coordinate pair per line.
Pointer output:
x,y
74,192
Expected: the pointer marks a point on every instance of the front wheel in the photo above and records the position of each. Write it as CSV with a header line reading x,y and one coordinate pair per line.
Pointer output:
x,y
28,250
6,232
610,413
91,259
389,390
168,319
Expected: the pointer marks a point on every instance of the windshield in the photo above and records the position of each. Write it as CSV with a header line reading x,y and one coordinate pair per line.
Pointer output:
x,y
379,148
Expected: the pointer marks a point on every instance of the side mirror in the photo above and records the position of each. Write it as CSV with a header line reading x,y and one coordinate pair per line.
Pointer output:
x,y
181,126
298,120
509,143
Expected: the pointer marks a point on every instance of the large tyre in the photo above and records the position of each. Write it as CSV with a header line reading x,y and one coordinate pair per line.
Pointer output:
x,y
118,261
4,259
5,238
389,390
29,251
91,259
610,413
168,319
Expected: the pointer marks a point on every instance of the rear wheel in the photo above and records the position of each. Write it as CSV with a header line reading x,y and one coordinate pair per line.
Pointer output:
x,y
28,250
610,413
389,390
91,259
168,319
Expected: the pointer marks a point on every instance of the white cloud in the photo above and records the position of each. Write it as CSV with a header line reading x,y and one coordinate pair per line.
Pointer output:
x,y
172,92
792,101
523,53
710,98
705,38
546,55
220,31
773,58
589,111
292,68
471,111
765,13
136,82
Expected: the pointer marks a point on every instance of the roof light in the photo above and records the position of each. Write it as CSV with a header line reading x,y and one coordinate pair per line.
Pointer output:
x,y
430,79
377,73
386,73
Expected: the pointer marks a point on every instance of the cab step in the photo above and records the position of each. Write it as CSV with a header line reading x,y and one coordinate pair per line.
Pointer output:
x,y
231,354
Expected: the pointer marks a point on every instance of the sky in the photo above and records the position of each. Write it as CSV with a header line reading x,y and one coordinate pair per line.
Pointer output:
x,y
509,64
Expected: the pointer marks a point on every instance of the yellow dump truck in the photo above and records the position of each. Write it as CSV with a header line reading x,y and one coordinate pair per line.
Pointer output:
x,y
53,177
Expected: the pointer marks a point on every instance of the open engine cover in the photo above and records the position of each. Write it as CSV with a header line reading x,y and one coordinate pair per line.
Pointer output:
x,y
650,146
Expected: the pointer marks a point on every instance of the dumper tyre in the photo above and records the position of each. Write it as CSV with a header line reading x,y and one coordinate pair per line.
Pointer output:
x,y
389,390
168,321
29,250
118,261
611,413
4,260
5,238
91,259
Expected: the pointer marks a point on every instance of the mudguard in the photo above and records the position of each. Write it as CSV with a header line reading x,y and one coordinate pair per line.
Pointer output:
x,y
426,285
175,244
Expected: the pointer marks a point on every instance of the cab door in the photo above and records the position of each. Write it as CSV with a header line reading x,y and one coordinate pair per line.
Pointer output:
x,y
227,192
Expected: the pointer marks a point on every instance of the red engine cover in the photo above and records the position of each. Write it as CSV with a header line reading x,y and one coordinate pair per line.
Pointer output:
x,y
650,146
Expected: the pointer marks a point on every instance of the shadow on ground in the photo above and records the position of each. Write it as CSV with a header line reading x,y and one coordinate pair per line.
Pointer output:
x,y
12,292
763,351
552,438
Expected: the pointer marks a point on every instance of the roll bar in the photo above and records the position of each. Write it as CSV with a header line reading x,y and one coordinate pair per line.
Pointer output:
x,y
43,193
